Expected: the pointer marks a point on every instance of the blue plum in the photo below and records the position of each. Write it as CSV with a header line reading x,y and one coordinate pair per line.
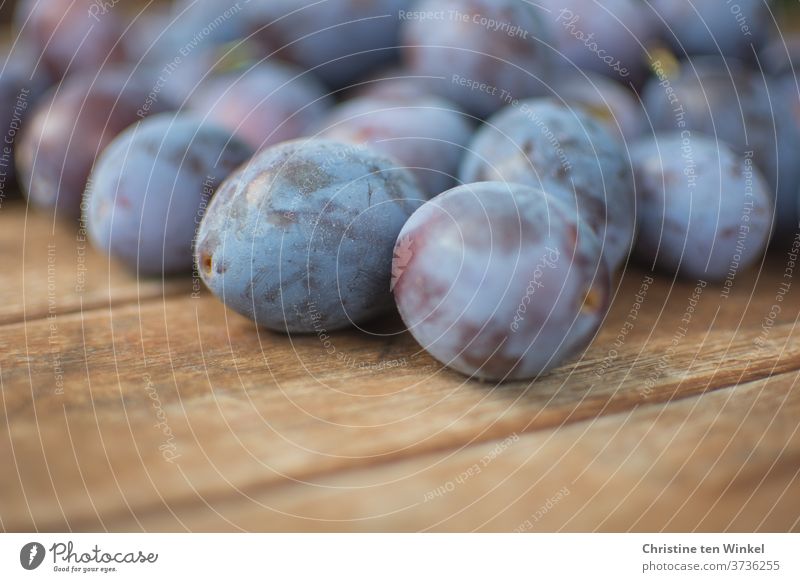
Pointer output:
x,y
338,40
150,186
213,22
608,37
148,36
546,144
265,104
300,239
176,71
427,135
610,102
479,54
500,281
704,211
732,29
728,100
393,83
191,42
68,129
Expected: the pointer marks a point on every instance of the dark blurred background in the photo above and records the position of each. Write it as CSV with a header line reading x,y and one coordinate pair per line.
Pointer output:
x,y
785,6
6,8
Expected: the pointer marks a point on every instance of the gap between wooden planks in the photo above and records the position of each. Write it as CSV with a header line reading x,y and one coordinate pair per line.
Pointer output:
x,y
254,410
237,426
726,461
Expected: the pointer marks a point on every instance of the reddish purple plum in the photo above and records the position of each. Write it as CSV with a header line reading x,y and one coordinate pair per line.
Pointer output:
x,y
67,131
22,85
71,35
500,281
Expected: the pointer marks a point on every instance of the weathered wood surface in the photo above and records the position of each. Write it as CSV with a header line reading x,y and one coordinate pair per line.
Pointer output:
x,y
133,405
50,269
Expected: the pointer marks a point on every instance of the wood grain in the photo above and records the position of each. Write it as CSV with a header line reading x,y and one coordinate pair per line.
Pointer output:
x,y
727,461
50,269
245,409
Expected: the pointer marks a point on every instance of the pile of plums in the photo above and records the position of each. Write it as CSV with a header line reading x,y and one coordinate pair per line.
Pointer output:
x,y
485,167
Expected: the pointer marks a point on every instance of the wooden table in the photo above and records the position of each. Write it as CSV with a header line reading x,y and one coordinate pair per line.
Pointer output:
x,y
134,405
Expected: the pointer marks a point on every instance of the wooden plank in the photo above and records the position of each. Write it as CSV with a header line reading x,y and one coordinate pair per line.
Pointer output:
x,y
51,269
164,402
251,409
191,344
724,461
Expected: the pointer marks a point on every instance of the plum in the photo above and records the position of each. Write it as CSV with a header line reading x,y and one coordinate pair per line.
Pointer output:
x,y
726,99
22,85
213,22
300,238
781,55
606,100
704,211
150,186
500,281
732,29
546,144
70,35
338,39
265,104
193,41
149,36
68,129
394,83
428,135
608,37
480,54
